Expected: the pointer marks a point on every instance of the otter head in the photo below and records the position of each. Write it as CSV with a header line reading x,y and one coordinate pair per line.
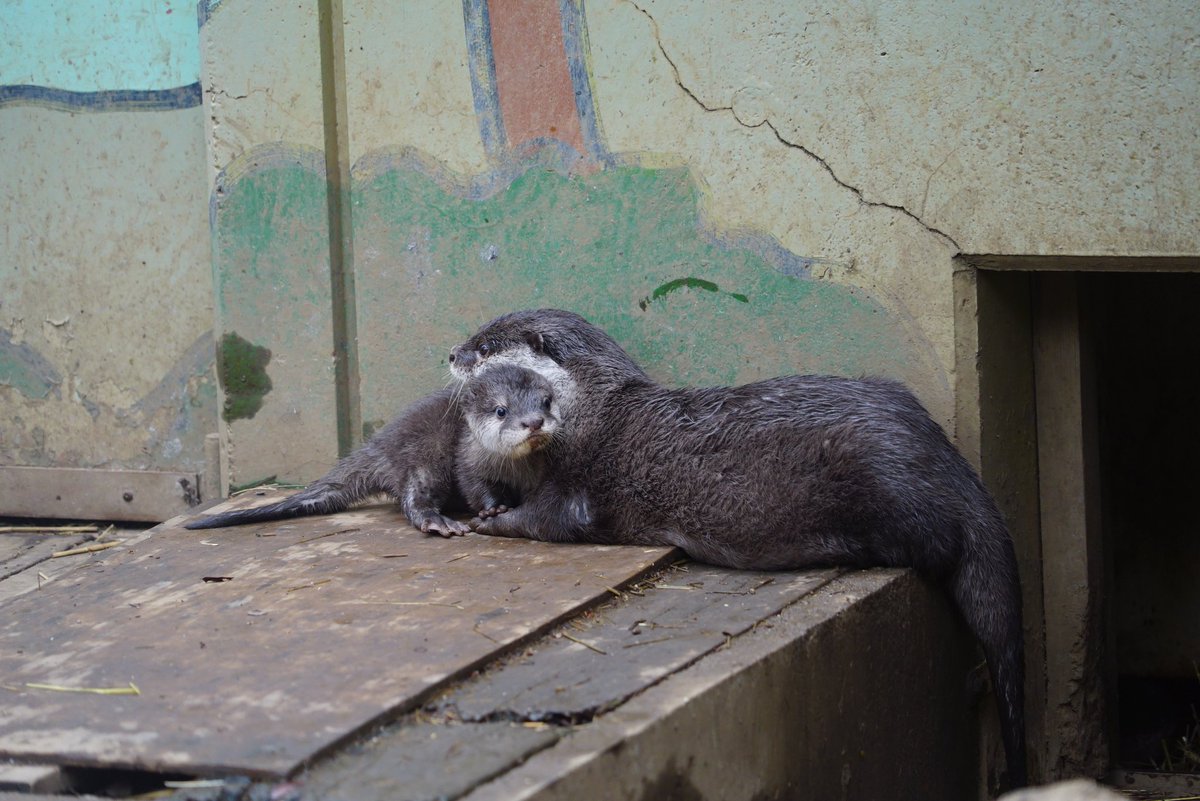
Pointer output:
x,y
511,411
526,338
559,345
541,340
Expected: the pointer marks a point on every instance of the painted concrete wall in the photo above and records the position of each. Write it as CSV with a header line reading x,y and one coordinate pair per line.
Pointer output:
x,y
106,348
733,195
271,254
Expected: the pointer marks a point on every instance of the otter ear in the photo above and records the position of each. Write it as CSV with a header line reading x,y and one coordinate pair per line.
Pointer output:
x,y
534,339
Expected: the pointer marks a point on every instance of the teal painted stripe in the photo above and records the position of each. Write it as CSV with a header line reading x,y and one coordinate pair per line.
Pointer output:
x,y
92,46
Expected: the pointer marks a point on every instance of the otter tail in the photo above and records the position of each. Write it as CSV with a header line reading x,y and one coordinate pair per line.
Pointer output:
x,y
988,592
353,479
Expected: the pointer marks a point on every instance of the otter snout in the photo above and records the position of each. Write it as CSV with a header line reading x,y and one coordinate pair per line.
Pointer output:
x,y
534,423
462,358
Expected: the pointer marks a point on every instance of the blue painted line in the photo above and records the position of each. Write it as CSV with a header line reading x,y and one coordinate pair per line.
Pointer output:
x,y
481,62
575,42
204,10
106,100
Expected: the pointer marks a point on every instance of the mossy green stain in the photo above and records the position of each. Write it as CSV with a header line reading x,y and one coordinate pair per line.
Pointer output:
x,y
242,368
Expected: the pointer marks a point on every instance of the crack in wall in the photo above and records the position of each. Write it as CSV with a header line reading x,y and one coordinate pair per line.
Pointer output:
x,y
858,193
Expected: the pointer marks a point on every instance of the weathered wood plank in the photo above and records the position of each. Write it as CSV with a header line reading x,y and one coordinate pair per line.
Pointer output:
x,y
27,560
21,550
421,761
255,648
651,631
30,779
92,494
592,666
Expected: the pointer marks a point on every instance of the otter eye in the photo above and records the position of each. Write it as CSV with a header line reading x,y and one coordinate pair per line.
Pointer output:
x,y
484,348
501,412
546,403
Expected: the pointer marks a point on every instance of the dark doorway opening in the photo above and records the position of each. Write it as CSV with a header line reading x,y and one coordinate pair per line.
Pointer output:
x,y
1089,404
1147,340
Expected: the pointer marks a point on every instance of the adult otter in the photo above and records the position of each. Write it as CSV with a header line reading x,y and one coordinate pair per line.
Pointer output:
x,y
474,449
785,473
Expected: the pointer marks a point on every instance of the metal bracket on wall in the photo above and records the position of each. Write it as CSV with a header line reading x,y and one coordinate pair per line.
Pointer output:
x,y
96,494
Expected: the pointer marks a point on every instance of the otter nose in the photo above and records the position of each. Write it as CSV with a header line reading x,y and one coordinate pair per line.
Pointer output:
x,y
460,357
533,423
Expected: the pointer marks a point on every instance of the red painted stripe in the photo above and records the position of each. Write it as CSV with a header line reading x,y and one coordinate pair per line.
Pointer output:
x,y
537,98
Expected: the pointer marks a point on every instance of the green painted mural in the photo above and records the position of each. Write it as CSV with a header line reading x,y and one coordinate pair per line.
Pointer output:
x,y
437,255
139,54
271,274
555,220
106,346
626,247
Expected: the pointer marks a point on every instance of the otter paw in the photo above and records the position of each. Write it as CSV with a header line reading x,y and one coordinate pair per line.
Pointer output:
x,y
444,526
492,527
491,511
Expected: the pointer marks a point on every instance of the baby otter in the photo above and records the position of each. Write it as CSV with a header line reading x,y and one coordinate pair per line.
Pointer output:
x,y
474,449
785,473
511,416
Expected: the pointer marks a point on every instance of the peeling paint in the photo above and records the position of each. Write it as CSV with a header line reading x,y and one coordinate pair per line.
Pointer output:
x,y
26,370
241,366
102,204
170,421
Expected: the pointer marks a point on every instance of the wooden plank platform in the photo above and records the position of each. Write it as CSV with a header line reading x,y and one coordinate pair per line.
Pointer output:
x,y
256,648
601,660
484,727
27,557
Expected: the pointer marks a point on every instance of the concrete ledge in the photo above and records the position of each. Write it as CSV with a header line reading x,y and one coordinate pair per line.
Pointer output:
x,y
855,691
